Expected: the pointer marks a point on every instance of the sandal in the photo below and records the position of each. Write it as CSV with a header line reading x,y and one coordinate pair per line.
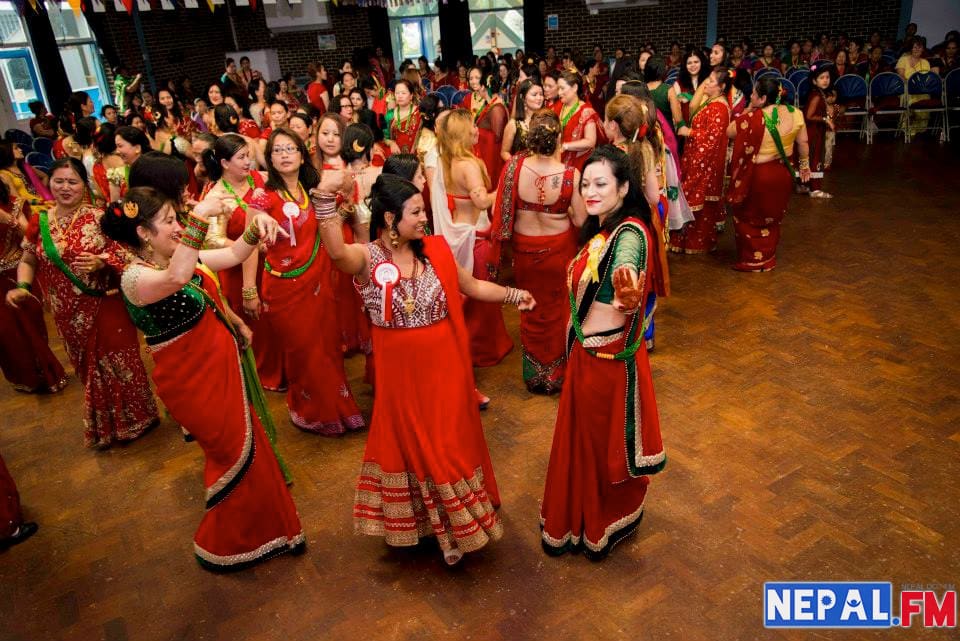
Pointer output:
x,y
452,557
819,193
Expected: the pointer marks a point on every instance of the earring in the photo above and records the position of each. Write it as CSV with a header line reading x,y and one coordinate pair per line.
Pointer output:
x,y
394,238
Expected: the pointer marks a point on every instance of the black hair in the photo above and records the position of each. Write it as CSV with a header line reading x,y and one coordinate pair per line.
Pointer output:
x,y
544,134
768,87
430,108
225,148
637,89
226,118
655,69
520,109
85,129
103,110
403,165
228,62
253,86
357,142
723,76
106,139
309,177
7,157
684,78
306,118
72,163
532,72
634,205
35,107
161,171
117,225
389,194
134,137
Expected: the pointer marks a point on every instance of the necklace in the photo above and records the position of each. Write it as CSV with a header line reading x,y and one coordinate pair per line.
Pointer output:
x,y
410,298
237,199
302,201
564,119
477,105
403,124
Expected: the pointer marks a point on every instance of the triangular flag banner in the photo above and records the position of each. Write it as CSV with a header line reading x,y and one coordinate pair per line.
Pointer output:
x,y
210,4
241,3
98,6
190,4
166,5
143,5
128,5
253,4
76,5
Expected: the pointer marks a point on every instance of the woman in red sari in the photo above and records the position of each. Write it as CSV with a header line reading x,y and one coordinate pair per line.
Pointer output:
x,y
426,469
539,208
229,166
25,356
197,346
78,269
354,324
461,196
607,437
13,529
761,174
403,121
490,117
580,124
704,156
300,291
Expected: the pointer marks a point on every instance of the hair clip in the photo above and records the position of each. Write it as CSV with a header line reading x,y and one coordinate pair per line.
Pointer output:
x,y
131,209
114,208
731,73
357,147
233,120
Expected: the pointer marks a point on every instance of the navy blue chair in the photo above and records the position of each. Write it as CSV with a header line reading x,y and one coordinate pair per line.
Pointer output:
x,y
39,161
803,91
928,84
767,71
887,97
446,92
797,75
458,98
43,145
852,94
791,89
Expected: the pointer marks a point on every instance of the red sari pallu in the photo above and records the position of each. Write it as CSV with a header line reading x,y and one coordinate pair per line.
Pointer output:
x,y
405,132
266,347
758,196
704,155
100,340
540,267
815,118
426,468
607,435
574,126
490,118
25,356
489,341
249,514
299,291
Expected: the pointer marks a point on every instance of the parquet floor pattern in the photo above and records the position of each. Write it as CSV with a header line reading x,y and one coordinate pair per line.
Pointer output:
x,y
811,420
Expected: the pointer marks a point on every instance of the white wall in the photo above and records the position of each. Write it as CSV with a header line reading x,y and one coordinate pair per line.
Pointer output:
x,y
935,18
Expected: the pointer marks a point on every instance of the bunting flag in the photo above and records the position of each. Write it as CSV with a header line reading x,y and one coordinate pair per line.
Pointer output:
x,y
269,2
210,4
144,5
241,3
190,4
98,6
253,4
166,5
76,5
33,5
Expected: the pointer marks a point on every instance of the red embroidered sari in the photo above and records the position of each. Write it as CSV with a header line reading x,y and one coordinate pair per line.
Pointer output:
x,y
266,348
305,325
426,468
574,130
101,341
704,155
490,119
758,197
540,267
607,435
25,356
249,514
405,132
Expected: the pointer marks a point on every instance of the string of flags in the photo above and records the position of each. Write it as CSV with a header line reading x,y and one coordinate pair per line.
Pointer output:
x,y
100,6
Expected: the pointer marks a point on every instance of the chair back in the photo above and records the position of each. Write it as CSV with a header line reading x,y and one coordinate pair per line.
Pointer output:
x,y
446,93
951,86
886,85
791,97
39,160
43,145
458,98
766,71
925,83
851,90
803,91
797,75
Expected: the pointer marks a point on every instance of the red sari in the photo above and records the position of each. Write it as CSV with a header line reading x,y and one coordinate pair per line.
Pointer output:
x,y
405,133
816,120
704,155
301,315
25,356
10,514
490,118
101,341
539,266
607,435
489,341
426,468
758,197
265,345
574,130
249,514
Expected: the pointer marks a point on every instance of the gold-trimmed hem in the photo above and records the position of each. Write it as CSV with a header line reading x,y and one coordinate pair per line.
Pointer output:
x,y
246,557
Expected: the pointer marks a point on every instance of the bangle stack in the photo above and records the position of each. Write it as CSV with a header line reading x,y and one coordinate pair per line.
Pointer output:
x,y
195,233
252,235
24,285
513,296
249,293
804,163
325,205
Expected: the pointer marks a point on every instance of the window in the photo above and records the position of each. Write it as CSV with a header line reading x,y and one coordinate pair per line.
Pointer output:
x,y
415,31
79,53
17,64
496,23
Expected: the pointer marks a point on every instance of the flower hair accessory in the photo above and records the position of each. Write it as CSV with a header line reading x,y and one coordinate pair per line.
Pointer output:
x,y
357,147
130,209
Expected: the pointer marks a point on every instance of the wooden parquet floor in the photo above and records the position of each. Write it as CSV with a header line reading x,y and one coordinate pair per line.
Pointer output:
x,y
810,416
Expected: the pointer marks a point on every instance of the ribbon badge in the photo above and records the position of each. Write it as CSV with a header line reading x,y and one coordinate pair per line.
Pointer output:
x,y
292,212
385,276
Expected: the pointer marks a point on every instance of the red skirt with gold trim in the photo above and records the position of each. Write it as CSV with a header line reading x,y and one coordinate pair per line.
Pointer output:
x,y
426,469
757,220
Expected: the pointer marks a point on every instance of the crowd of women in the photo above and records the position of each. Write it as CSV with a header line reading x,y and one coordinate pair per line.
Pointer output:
x,y
258,236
